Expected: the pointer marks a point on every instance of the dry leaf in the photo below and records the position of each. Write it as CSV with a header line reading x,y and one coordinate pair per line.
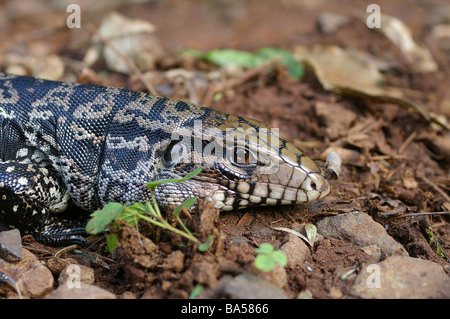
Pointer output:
x,y
347,72
417,56
50,67
121,40
410,182
349,157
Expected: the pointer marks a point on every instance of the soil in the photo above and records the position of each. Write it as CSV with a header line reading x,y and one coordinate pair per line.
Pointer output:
x,y
403,162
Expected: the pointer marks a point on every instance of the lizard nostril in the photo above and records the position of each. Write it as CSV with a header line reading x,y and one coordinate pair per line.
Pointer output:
x,y
313,185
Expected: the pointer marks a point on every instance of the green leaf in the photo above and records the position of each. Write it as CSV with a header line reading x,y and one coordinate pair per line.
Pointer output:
x,y
435,241
294,68
268,257
279,257
264,262
186,204
102,218
229,57
196,291
192,52
111,242
264,248
208,243
192,174
218,96
129,214
248,60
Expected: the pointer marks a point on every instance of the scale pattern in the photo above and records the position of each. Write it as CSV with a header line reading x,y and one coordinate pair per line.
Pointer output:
x,y
67,144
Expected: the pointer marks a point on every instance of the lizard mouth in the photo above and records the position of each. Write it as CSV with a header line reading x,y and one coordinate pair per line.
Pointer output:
x,y
311,186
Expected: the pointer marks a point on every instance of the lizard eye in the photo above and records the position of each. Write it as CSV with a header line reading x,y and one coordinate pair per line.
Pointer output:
x,y
242,155
173,153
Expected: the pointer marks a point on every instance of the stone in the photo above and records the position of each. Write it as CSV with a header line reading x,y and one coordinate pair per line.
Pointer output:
x,y
277,276
373,250
360,229
329,22
33,278
402,277
296,251
76,272
247,286
84,291
11,245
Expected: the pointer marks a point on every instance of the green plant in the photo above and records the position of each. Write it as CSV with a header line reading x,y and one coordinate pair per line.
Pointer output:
x,y
249,60
435,241
196,291
268,257
147,211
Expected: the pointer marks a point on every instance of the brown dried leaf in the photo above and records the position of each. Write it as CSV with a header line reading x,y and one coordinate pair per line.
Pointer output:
x,y
347,72
121,40
349,157
417,56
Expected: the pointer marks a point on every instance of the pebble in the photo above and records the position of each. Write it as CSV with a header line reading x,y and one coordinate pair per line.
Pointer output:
x,y
329,22
296,251
277,276
402,277
84,291
360,229
247,286
76,272
11,245
33,278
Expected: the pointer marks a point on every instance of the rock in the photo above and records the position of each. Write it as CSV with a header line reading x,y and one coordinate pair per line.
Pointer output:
x,y
402,277
295,250
76,272
11,245
373,250
251,287
33,278
328,22
305,294
258,229
239,240
361,230
85,291
277,276
57,265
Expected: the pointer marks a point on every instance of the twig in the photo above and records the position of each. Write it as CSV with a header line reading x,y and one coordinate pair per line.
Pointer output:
x,y
131,65
66,250
244,77
407,142
386,157
424,213
436,188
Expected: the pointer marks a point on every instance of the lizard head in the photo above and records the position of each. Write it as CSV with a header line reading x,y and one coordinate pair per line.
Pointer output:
x,y
245,163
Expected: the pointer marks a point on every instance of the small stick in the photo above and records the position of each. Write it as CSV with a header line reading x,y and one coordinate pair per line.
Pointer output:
x,y
436,188
131,65
425,213
407,142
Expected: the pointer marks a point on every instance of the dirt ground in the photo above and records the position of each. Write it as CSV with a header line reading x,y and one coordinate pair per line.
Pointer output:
x,y
397,166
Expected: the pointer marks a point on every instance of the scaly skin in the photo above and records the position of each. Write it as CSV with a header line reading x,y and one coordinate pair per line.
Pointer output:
x,y
65,143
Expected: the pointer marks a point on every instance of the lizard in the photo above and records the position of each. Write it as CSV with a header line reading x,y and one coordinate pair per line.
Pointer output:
x,y
69,144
